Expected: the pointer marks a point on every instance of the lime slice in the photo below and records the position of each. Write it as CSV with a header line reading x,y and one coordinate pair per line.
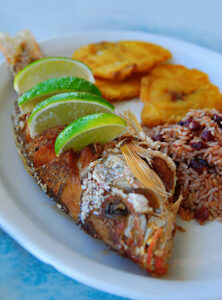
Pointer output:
x,y
54,86
62,109
50,67
96,128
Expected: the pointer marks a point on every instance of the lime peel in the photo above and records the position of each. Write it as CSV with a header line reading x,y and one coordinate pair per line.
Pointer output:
x,y
63,109
50,67
53,86
100,128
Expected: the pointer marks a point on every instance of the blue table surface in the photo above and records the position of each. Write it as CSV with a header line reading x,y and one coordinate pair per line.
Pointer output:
x,y
22,276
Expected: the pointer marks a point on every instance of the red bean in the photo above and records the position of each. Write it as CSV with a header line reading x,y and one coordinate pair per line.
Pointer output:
x,y
201,214
157,137
195,126
198,145
218,120
181,123
207,136
198,165
188,121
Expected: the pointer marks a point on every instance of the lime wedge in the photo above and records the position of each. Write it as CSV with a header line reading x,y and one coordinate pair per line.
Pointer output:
x,y
96,128
50,67
54,86
62,109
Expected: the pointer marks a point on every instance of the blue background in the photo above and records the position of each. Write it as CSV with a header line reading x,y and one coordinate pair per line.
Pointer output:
x,y
21,275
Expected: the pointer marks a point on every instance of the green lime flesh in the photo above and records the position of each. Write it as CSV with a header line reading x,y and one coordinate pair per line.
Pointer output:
x,y
54,86
96,128
50,67
62,109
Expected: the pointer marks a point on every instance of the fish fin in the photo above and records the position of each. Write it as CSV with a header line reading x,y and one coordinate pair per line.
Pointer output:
x,y
20,50
175,206
132,120
143,171
142,153
136,129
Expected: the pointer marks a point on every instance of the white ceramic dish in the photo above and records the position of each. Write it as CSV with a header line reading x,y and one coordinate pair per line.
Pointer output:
x,y
32,219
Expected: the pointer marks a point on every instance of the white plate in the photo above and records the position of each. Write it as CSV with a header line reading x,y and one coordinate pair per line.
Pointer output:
x,y
32,219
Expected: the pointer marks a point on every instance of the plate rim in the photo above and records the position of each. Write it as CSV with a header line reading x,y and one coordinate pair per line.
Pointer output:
x,y
18,231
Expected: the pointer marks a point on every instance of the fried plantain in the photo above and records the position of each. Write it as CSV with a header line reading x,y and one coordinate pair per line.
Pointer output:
x,y
121,59
116,90
170,91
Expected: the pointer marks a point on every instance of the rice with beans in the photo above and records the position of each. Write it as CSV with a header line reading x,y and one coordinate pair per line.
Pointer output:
x,y
195,145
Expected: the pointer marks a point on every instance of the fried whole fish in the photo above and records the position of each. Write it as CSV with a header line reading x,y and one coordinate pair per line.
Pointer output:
x,y
119,192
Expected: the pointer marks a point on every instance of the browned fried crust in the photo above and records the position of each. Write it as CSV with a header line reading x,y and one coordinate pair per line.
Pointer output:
x,y
63,186
58,178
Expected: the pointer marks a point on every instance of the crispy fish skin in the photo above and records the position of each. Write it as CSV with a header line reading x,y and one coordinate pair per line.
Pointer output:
x,y
170,91
119,60
57,177
116,90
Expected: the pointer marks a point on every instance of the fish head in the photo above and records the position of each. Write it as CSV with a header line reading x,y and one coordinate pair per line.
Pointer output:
x,y
129,208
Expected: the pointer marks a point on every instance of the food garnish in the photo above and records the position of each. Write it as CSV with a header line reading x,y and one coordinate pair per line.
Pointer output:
x,y
53,86
62,109
96,128
50,67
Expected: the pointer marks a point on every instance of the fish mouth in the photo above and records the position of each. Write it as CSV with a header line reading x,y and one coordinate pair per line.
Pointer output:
x,y
148,238
145,236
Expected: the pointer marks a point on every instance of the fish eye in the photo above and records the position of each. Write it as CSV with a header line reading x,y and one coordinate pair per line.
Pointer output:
x,y
116,208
